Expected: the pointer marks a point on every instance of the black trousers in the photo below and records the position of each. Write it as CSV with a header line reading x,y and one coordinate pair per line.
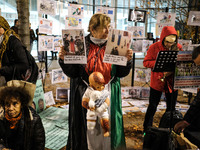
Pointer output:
x,y
154,100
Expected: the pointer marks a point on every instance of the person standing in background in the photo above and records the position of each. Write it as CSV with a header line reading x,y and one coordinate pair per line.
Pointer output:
x,y
15,27
32,36
13,59
160,81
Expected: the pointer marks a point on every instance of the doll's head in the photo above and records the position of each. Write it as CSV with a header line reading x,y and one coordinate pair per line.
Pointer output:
x,y
97,81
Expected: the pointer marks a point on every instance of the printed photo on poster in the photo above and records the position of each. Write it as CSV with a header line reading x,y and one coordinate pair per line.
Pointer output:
x,y
145,92
74,45
57,43
137,15
166,18
48,96
134,92
137,32
46,7
46,43
45,26
118,43
186,44
75,10
136,45
58,76
73,23
194,18
62,94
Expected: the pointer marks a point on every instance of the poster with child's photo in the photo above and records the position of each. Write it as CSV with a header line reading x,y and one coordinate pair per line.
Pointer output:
x,y
39,103
118,43
74,45
62,94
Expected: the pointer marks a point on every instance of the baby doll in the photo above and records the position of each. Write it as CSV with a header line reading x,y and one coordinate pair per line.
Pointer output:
x,y
96,100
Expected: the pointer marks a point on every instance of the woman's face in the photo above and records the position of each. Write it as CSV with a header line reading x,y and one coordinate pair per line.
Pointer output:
x,y
101,33
13,108
1,31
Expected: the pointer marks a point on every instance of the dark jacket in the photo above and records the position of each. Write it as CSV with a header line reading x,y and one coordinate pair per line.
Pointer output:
x,y
77,114
14,61
15,29
150,59
193,114
15,139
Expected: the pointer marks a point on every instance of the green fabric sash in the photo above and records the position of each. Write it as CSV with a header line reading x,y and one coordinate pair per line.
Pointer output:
x,y
117,127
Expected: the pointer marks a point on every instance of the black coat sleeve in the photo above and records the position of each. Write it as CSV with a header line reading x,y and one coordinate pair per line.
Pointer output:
x,y
71,70
193,112
38,135
122,71
16,58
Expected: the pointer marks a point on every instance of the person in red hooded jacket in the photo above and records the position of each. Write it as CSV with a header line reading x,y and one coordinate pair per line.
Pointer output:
x,y
168,41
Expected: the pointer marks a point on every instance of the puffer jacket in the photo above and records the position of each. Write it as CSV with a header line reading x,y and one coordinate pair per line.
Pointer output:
x,y
150,59
16,139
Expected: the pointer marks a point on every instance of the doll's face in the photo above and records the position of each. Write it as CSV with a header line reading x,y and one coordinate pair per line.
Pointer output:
x,y
97,86
97,81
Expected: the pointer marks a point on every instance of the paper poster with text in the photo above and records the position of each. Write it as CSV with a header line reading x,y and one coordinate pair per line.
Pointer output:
x,y
46,43
48,96
146,44
74,45
166,18
187,73
45,26
118,43
75,10
46,7
142,74
159,27
57,43
106,10
137,32
58,76
39,103
73,22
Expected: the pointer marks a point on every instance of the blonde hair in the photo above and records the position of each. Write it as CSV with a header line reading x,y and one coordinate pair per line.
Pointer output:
x,y
98,20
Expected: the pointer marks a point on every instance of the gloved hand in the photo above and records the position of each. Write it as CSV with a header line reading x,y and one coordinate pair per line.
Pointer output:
x,y
180,126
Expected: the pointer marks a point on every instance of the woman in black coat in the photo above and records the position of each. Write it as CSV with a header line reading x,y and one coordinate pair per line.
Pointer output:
x,y
79,138
21,127
13,59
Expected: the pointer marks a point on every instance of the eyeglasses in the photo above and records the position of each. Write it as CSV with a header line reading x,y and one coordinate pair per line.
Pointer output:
x,y
170,42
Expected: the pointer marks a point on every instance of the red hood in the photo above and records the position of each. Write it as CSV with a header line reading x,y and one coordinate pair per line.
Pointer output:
x,y
167,30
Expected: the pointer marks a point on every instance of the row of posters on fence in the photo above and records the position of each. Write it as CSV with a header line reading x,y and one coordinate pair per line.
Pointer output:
x,y
41,99
135,92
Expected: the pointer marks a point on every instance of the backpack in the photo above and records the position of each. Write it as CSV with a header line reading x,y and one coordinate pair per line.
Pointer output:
x,y
165,119
32,73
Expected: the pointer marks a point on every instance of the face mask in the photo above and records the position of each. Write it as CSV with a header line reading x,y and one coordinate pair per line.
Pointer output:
x,y
1,38
97,41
